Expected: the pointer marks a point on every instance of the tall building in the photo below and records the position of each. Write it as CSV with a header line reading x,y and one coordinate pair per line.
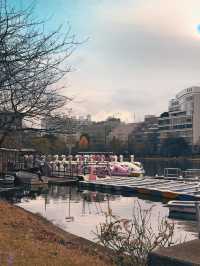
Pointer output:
x,y
183,117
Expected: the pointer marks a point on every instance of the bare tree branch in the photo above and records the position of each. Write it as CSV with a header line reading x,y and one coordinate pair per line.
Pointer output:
x,y
31,63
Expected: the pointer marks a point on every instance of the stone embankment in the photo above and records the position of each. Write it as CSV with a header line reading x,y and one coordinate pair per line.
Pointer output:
x,y
185,254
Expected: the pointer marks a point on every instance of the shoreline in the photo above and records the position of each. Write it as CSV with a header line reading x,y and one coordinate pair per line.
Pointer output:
x,y
30,239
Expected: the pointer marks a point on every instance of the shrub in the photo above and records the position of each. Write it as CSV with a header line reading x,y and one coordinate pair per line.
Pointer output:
x,y
131,240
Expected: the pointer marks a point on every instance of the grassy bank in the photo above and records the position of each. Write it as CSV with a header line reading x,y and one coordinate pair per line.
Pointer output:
x,y
28,239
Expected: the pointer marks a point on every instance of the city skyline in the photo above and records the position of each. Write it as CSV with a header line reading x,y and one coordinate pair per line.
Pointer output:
x,y
138,55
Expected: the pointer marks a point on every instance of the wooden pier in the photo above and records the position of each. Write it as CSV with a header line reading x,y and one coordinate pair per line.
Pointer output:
x,y
166,189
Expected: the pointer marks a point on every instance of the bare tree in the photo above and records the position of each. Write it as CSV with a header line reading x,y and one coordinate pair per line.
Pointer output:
x,y
31,64
131,240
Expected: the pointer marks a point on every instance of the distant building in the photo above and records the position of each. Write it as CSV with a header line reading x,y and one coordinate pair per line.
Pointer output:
x,y
98,132
183,117
145,136
10,129
65,124
122,131
10,120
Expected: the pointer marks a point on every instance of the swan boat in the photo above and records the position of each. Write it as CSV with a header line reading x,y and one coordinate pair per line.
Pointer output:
x,y
97,170
183,209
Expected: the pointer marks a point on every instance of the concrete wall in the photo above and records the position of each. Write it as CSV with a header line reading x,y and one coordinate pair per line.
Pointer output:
x,y
186,254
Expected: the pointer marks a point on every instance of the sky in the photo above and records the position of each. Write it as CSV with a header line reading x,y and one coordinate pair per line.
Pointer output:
x,y
135,56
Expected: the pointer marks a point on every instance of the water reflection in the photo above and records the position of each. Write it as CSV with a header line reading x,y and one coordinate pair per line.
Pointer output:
x,y
80,212
69,218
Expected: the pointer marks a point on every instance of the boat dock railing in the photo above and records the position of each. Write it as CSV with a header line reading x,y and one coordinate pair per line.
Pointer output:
x,y
191,173
172,172
74,169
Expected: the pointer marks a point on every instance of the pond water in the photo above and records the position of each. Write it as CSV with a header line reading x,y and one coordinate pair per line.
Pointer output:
x,y
80,212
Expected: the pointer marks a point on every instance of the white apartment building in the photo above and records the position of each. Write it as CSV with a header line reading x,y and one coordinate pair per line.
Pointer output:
x,y
183,117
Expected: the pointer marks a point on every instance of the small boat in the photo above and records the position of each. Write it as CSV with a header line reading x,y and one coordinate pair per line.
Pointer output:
x,y
25,177
182,209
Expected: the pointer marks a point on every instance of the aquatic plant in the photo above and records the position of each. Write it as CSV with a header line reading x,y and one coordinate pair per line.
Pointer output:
x,y
131,240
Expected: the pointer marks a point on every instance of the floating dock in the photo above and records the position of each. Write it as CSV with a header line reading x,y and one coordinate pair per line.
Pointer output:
x,y
166,189
61,181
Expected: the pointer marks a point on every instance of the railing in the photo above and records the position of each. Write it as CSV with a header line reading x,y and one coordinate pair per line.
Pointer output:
x,y
68,170
177,172
191,173
74,169
172,172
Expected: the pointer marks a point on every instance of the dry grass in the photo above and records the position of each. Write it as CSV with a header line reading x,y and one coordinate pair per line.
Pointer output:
x,y
27,239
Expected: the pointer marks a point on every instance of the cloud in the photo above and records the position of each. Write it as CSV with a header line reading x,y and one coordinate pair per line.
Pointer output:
x,y
140,54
